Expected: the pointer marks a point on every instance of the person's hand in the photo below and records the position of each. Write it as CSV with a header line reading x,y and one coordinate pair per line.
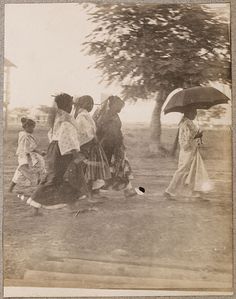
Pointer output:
x,y
79,157
43,153
86,161
199,134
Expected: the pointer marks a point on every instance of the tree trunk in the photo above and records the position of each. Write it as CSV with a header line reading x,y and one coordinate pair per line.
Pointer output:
x,y
155,143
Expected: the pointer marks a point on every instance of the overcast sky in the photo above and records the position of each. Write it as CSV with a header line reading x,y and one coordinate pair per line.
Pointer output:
x,y
45,41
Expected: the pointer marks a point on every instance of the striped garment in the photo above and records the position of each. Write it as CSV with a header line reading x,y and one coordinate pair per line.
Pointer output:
x,y
97,167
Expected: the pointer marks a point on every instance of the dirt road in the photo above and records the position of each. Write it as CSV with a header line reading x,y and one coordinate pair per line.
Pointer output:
x,y
144,242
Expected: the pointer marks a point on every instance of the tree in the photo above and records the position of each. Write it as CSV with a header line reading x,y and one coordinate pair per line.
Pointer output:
x,y
45,109
153,49
215,112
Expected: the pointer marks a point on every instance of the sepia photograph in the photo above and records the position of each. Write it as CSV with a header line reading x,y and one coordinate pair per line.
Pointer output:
x,y
117,150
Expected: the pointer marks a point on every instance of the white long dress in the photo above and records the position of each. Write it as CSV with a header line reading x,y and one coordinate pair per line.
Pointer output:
x,y
191,176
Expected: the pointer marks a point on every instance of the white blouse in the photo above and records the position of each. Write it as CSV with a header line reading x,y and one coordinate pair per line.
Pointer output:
x,y
86,127
27,143
65,132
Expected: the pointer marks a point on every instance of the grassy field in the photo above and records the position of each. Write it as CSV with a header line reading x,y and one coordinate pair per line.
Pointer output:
x,y
144,242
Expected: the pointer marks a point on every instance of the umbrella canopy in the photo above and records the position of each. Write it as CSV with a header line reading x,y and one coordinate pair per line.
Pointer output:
x,y
199,97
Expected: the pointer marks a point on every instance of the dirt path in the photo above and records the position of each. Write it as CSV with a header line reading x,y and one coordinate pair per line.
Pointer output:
x,y
170,240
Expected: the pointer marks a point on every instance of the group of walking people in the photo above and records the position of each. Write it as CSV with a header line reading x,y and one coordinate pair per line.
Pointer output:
x,y
87,154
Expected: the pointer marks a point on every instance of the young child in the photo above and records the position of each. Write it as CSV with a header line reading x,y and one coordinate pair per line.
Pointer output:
x,y
31,165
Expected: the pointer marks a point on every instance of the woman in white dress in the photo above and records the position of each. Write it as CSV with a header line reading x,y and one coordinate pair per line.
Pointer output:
x,y
191,178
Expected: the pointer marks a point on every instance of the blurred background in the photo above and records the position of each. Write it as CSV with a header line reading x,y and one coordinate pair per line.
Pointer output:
x,y
44,56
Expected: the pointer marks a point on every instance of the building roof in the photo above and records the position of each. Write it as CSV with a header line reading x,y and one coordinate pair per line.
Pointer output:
x,y
8,63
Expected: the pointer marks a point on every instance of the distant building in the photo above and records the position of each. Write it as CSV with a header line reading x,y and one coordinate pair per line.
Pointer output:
x,y
36,114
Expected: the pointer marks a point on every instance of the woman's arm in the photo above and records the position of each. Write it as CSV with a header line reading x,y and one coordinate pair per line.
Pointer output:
x,y
78,156
199,134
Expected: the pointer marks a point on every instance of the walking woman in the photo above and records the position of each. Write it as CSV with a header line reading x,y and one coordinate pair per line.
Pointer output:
x,y
95,166
64,148
111,138
191,178
31,165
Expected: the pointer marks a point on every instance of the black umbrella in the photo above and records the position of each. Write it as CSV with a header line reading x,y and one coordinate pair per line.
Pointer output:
x,y
199,97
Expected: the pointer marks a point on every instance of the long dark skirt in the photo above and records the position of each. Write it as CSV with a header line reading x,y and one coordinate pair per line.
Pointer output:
x,y
75,176
55,189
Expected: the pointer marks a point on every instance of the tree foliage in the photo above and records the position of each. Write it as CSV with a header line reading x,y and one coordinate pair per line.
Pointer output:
x,y
45,109
153,47
215,112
